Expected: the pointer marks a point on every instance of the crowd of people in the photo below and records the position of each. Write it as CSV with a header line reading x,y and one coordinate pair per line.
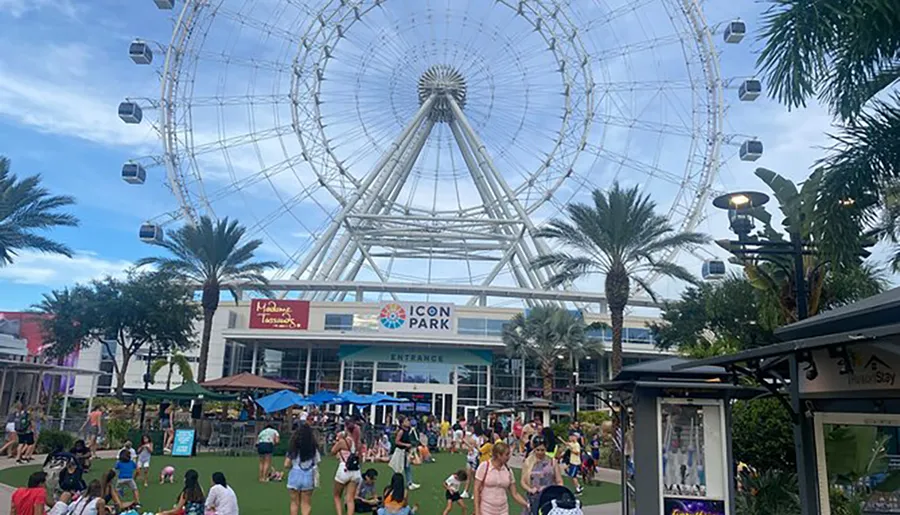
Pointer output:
x,y
486,477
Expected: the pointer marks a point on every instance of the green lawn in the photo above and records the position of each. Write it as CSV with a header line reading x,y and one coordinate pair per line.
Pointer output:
x,y
272,498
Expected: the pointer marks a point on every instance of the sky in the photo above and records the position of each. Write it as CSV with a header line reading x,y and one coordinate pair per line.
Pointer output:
x,y
65,68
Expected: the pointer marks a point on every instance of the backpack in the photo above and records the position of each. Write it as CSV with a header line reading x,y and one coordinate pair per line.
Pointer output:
x,y
23,422
352,462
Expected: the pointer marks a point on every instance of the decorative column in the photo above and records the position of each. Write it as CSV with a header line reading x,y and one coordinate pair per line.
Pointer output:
x,y
308,368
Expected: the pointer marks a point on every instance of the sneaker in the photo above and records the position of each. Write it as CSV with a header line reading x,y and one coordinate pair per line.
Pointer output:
x,y
414,486
464,494
579,490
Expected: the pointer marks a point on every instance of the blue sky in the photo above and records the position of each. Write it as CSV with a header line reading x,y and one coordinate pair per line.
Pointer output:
x,y
65,68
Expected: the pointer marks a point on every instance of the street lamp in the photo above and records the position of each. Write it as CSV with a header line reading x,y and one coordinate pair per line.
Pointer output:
x,y
740,206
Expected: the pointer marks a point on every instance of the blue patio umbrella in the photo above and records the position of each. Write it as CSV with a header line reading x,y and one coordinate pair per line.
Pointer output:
x,y
382,398
319,398
349,397
279,401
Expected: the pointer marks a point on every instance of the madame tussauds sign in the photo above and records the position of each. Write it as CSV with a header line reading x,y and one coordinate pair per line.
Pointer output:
x,y
279,314
417,317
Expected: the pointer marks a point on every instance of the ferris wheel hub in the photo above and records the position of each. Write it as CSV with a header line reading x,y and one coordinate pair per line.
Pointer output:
x,y
445,81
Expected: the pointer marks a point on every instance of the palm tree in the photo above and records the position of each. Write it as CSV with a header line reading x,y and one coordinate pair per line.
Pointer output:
x,y
621,237
26,207
846,53
176,360
549,335
211,254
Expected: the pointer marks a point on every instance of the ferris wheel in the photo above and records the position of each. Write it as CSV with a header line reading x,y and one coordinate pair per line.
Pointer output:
x,y
424,141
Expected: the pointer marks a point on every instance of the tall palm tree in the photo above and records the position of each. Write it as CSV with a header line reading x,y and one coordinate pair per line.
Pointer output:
x,y
545,334
211,254
26,207
619,236
846,53
175,360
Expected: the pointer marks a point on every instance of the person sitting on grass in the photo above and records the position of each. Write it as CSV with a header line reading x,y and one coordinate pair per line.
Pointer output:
x,y
125,468
395,501
452,492
191,500
32,499
221,499
82,454
91,502
366,501
110,494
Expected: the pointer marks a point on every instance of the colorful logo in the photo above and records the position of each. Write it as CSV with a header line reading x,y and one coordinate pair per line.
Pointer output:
x,y
392,316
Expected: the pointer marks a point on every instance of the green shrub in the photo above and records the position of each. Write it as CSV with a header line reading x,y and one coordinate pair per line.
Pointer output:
x,y
117,432
763,435
50,440
772,492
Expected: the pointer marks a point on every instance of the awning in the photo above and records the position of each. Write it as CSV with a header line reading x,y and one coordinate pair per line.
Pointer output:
x,y
246,381
189,391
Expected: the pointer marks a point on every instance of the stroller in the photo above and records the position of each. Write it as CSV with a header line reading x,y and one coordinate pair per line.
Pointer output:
x,y
58,477
558,500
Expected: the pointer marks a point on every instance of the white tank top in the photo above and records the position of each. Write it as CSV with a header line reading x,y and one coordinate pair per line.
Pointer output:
x,y
84,506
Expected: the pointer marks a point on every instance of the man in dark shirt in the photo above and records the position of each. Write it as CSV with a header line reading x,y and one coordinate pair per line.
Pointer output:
x,y
366,501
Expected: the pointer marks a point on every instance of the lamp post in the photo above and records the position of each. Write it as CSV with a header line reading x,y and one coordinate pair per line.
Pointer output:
x,y
740,206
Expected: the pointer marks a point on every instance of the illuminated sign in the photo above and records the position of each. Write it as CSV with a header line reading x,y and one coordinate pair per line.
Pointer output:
x,y
676,506
416,317
279,314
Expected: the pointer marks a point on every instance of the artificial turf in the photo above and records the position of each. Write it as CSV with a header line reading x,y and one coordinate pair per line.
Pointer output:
x,y
272,498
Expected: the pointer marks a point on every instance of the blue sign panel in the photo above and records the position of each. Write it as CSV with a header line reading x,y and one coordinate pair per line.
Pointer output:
x,y
184,442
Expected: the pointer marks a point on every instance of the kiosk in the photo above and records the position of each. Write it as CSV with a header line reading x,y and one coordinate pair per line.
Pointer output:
x,y
837,375
682,456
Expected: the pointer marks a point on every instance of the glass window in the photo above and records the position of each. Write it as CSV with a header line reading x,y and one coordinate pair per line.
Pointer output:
x,y
338,322
433,373
474,326
637,335
495,327
358,376
365,322
325,369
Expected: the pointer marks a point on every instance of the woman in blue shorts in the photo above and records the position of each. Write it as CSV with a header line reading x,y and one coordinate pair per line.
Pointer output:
x,y
302,459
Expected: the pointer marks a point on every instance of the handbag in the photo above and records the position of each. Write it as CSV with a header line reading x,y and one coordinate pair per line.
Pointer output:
x,y
398,461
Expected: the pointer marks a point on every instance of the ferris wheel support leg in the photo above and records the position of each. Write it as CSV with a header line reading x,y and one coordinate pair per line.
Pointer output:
x,y
479,148
340,250
335,225
496,183
484,191
382,206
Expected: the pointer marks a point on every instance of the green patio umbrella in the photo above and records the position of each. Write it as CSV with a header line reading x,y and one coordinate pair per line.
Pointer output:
x,y
189,391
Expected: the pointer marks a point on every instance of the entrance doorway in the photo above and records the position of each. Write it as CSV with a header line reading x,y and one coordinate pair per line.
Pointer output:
x,y
470,413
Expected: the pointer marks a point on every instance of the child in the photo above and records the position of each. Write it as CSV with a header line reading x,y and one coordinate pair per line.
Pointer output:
x,y
451,485
130,448
574,464
144,452
395,501
167,474
366,501
125,468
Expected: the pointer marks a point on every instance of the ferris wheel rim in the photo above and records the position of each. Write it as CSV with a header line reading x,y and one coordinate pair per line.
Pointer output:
x,y
179,173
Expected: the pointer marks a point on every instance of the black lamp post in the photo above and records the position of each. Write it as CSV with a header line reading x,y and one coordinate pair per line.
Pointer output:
x,y
740,206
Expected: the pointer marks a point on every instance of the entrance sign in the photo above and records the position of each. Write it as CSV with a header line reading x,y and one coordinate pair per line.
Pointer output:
x,y
863,367
279,314
183,444
417,317
446,355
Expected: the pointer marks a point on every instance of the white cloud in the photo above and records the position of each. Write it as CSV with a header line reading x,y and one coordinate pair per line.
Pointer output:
x,y
52,270
19,8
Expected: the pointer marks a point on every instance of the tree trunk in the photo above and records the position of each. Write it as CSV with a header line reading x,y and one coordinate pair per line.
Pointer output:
x,y
210,303
120,375
617,288
547,374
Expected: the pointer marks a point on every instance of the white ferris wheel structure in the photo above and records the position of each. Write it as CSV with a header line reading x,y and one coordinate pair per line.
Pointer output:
x,y
414,147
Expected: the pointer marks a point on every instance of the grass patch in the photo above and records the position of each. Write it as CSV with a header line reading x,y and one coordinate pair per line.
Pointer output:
x,y
272,498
